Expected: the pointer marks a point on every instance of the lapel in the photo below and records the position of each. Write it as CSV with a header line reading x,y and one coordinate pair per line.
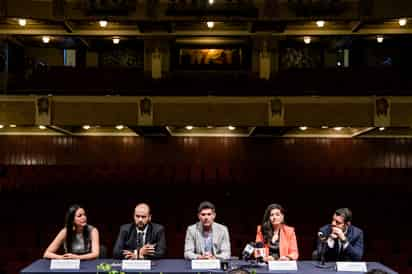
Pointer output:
x,y
132,241
349,233
149,234
215,238
199,236
283,242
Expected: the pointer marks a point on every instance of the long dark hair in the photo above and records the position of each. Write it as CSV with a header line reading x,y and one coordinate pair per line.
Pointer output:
x,y
71,213
267,228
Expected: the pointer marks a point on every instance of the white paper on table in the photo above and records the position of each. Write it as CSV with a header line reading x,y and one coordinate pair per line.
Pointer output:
x,y
73,264
351,266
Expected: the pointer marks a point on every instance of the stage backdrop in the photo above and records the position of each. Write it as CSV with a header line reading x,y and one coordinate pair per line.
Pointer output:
x,y
41,176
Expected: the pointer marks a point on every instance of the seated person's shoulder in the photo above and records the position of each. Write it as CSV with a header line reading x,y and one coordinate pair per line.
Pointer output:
x,y
157,227
289,228
220,226
126,226
357,230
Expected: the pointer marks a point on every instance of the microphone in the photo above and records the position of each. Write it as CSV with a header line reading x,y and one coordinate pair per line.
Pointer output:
x,y
260,251
319,254
248,251
322,237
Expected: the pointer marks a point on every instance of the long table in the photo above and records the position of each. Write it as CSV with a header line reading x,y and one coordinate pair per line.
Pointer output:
x,y
175,266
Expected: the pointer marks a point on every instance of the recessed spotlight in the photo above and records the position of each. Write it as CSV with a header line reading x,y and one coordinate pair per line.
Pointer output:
x,y
45,39
22,22
307,39
211,2
189,127
338,128
381,128
103,23
42,127
210,24
120,127
1,126
231,127
303,128
12,126
86,127
116,40
379,38
402,22
320,23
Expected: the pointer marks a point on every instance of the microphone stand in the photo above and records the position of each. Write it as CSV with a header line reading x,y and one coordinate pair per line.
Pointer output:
x,y
321,264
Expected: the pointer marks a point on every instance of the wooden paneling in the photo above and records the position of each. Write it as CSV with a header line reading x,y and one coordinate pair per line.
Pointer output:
x,y
310,177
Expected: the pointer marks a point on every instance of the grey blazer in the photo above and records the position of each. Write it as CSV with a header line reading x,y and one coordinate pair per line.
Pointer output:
x,y
194,242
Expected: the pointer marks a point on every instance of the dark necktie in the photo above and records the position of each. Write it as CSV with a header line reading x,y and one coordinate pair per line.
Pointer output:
x,y
139,239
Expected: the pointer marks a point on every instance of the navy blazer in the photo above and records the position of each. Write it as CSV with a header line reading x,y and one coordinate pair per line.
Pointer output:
x,y
127,240
353,252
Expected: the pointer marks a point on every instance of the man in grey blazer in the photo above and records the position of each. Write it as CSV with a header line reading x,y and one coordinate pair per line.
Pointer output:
x,y
207,239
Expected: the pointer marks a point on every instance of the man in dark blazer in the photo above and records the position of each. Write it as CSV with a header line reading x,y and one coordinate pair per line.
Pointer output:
x,y
340,240
141,239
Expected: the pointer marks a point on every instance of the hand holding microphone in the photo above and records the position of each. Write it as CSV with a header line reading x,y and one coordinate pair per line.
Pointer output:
x,y
260,252
248,251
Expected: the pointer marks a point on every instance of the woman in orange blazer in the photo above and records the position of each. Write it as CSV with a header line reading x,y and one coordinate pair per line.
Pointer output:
x,y
278,239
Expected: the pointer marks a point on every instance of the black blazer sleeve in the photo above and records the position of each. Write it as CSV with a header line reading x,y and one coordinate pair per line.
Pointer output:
x,y
158,237
120,244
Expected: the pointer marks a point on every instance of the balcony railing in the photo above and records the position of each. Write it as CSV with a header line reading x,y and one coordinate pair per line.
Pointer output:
x,y
329,82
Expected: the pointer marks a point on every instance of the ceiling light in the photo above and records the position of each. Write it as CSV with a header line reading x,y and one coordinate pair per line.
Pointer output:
x,y
209,127
231,127
307,39
338,128
119,127
320,23
86,127
1,126
210,24
189,127
23,22
303,128
379,38
42,127
116,40
211,2
46,39
339,64
12,126
324,127
381,129
103,23
402,22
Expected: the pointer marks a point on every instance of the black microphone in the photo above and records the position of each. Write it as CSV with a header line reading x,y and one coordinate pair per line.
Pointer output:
x,y
248,251
322,237
260,251
320,252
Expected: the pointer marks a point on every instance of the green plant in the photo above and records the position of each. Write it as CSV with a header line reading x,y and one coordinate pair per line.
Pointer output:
x,y
105,267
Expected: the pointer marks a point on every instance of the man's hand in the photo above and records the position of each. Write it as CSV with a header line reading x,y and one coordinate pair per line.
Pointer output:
x,y
338,233
206,256
146,250
129,254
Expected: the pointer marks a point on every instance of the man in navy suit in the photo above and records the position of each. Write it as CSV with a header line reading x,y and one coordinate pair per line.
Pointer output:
x,y
141,239
340,240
